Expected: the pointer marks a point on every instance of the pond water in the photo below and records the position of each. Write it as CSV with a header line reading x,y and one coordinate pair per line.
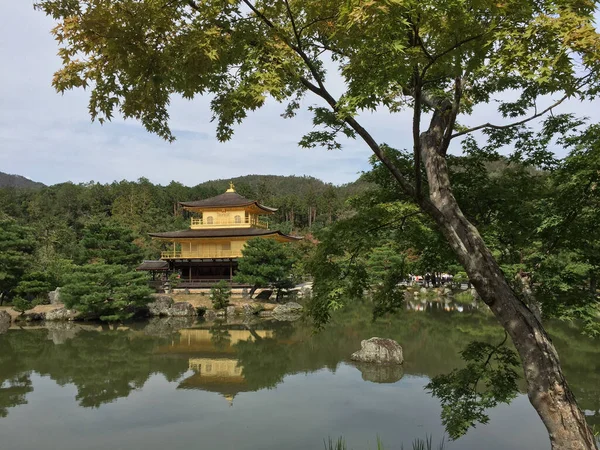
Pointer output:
x,y
176,384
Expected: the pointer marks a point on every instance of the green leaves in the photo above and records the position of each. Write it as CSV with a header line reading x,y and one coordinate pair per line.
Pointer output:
x,y
489,378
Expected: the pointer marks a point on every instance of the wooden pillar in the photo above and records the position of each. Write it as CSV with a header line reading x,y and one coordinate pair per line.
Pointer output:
x,y
230,270
190,272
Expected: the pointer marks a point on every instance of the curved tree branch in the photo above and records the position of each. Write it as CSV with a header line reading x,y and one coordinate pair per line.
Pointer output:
x,y
514,124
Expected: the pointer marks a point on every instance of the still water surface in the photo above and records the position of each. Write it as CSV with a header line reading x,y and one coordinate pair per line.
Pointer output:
x,y
197,385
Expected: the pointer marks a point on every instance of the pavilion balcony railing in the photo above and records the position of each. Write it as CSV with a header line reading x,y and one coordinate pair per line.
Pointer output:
x,y
204,253
245,222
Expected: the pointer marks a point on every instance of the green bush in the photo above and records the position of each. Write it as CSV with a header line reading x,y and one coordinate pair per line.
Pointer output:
x,y
220,295
106,291
21,305
464,298
460,277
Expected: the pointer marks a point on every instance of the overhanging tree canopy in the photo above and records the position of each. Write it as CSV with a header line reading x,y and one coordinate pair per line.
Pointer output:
x,y
438,59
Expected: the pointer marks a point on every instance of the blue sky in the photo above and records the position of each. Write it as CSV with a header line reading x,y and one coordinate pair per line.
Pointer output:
x,y
49,137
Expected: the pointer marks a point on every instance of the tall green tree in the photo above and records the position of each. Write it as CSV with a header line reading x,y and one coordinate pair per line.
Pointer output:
x,y
437,60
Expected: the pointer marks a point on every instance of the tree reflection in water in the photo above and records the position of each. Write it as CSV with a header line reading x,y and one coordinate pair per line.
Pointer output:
x,y
106,364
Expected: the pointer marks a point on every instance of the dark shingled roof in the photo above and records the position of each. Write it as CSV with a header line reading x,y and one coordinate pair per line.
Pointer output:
x,y
153,265
228,199
226,232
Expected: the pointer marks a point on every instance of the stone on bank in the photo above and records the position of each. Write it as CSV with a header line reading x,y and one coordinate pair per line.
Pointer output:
x,y
164,306
61,314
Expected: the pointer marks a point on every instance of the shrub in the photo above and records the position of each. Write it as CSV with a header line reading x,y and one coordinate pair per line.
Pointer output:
x,y
220,295
21,305
105,291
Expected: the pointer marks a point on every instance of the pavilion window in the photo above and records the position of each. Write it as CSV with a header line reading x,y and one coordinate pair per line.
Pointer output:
x,y
209,220
238,219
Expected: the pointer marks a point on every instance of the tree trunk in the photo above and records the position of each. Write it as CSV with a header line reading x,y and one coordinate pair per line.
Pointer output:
x,y
547,388
252,291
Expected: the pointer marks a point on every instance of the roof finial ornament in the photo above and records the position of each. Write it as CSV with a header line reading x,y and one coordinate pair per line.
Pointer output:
x,y
231,187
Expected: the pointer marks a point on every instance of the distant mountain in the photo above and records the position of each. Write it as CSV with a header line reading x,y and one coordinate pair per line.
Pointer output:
x,y
9,180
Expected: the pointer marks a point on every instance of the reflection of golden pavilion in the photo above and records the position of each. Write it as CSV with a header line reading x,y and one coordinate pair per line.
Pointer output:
x,y
214,364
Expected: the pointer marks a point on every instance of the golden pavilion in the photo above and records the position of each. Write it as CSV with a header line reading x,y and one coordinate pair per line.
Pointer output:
x,y
220,226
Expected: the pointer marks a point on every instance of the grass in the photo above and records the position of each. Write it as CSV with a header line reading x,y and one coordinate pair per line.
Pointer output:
x,y
418,444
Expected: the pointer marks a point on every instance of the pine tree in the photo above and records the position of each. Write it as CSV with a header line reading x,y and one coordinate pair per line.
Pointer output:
x,y
110,243
16,249
267,262
104,291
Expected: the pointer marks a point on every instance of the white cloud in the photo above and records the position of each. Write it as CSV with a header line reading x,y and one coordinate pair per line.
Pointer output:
x,y
51,138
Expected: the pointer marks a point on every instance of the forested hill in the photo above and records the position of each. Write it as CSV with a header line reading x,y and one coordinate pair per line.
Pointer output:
x,y
303,204
10,180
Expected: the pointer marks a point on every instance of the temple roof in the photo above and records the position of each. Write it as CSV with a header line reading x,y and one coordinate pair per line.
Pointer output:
x,y
222,233
227,200
153,265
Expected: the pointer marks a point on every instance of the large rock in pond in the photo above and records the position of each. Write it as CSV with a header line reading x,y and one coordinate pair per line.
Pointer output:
x,y
5,320
380,351
61,314
182,309
163,306
230,311
160,306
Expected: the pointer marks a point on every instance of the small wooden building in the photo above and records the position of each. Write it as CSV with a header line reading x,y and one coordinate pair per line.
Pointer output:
x,y
209,249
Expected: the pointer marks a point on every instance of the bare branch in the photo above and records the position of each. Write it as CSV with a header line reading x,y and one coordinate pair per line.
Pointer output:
x,y
514,124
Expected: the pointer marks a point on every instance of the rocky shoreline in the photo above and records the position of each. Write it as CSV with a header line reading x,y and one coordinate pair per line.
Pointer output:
x,y
163,306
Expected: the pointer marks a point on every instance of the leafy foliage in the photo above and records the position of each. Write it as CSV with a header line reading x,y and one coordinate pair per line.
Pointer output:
x,y
489,378
107,292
